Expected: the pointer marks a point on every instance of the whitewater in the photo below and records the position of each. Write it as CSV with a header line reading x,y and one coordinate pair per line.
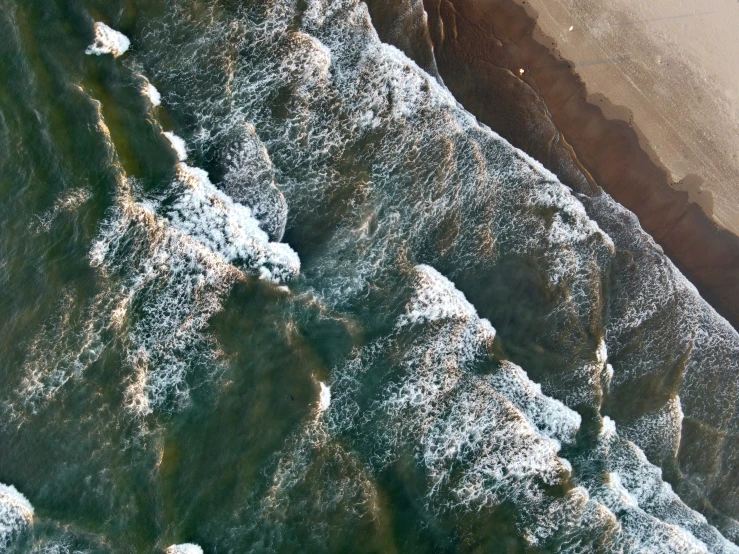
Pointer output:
x,y
327,308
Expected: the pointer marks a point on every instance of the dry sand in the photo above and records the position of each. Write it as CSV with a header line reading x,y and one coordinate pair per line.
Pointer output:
x,y
672,68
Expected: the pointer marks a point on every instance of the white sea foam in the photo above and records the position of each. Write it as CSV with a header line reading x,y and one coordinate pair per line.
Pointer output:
x,y
658,433
249,180
186,548
152,94
475,443
607,376
176,283
108,41
460,417
673,327
653,517
483,437
429,183
324,400
166,264
228,228
187,256
608,427
16,515
67,343
601,353
320,477
437,362
437,299
550,417
178,145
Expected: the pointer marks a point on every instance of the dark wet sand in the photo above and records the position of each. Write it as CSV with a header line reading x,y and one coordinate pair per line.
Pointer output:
x,y
478,47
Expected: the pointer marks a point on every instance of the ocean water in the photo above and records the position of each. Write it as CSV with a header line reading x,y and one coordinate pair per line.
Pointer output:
x,y
267,287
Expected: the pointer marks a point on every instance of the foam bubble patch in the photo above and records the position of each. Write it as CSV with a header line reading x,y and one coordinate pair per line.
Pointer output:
x,y
178,145
186,548
16,515
108,41
151,92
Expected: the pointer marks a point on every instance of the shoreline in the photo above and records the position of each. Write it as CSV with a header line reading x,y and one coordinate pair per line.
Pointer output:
x,y
670,70
478,50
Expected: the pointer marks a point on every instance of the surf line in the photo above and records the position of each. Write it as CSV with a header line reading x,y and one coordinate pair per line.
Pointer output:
x,y
276,262
241,232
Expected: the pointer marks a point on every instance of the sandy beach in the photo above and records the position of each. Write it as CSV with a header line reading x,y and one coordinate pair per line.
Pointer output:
x,y
671,69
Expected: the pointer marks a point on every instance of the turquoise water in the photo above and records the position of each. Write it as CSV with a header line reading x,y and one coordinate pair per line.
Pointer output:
x,y
344,317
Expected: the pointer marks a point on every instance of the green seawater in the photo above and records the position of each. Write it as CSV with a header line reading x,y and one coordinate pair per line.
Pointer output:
x,y
511,368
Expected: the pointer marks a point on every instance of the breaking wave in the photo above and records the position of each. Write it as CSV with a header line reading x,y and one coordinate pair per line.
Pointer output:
x,y
168,259
16,515
186,548
108,41
395,192
483,434
400,174
176,257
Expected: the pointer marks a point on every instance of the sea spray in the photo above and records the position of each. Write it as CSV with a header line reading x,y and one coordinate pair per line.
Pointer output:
x,y
151,92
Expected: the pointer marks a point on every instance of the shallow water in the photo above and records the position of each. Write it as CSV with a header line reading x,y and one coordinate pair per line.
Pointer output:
x,y
269,288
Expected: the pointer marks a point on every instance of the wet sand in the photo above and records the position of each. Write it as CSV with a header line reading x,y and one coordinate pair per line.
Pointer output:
x,y
551,112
